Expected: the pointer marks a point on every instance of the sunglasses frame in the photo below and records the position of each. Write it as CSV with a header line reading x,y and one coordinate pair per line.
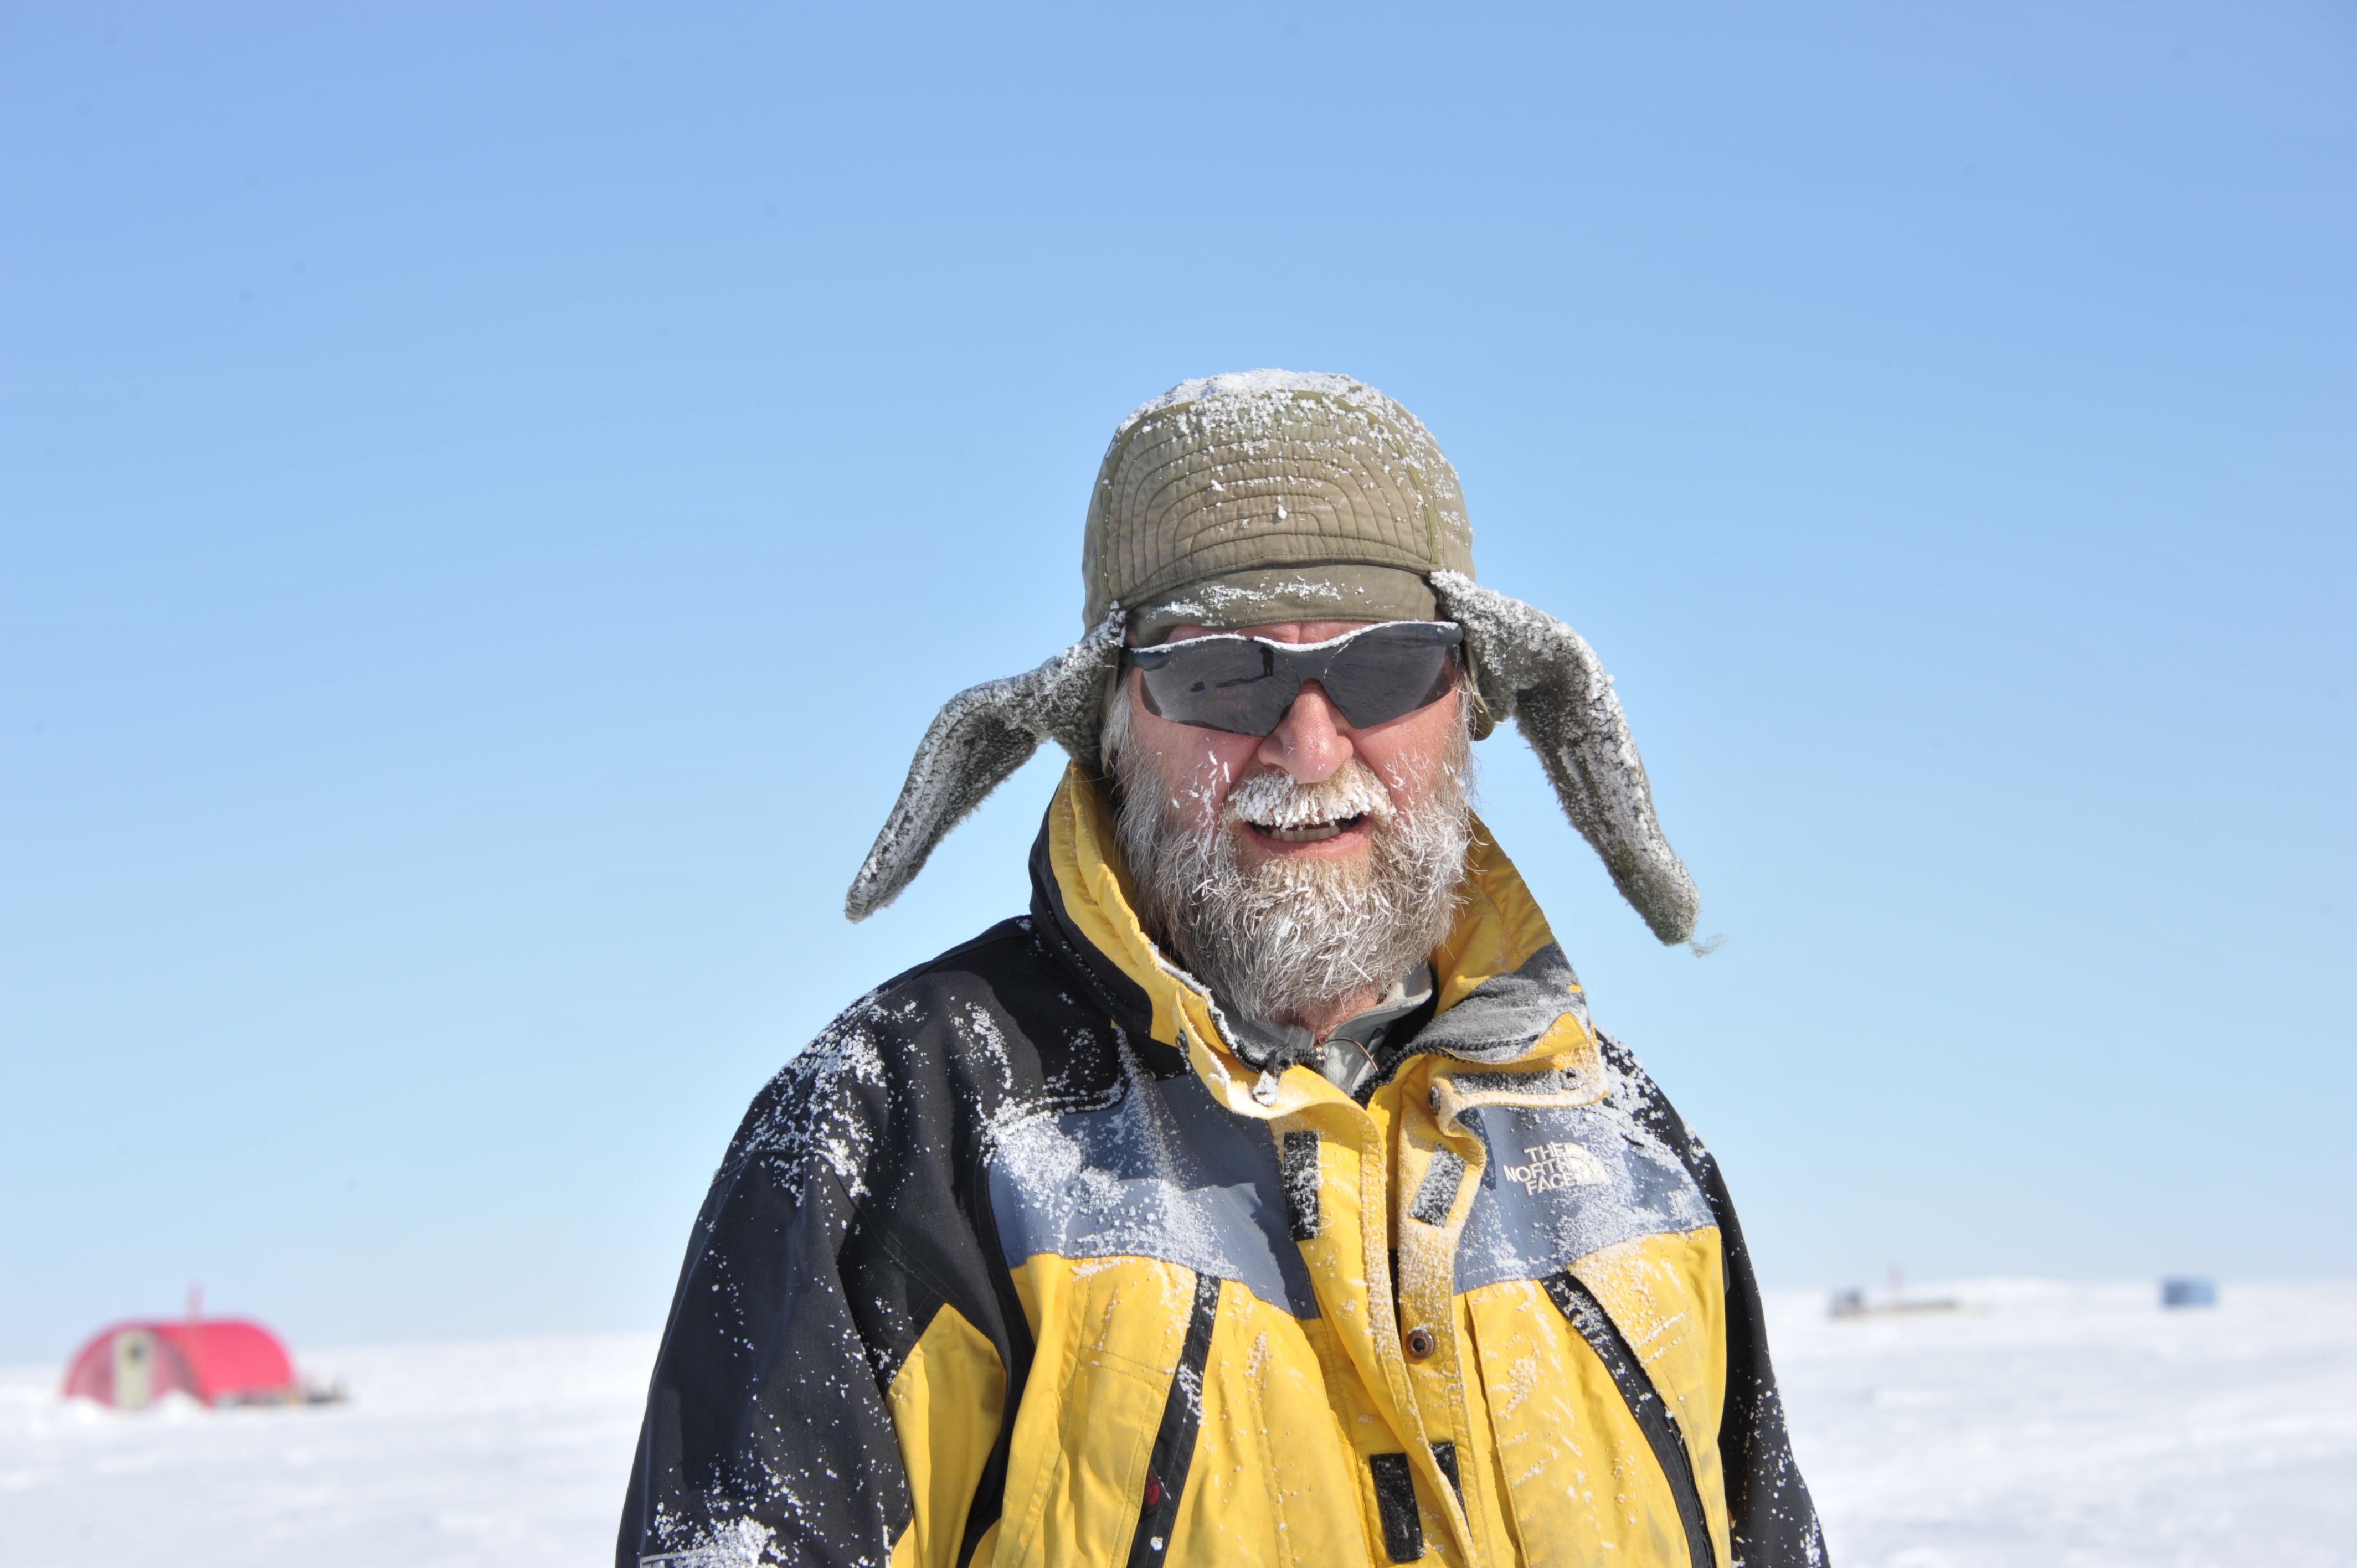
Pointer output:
x,y
1306,661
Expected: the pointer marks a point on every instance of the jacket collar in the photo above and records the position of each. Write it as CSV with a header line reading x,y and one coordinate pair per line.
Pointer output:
x,y
1508,1006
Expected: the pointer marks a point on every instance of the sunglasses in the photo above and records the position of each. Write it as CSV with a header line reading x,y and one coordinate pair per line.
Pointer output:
x,y
1245,685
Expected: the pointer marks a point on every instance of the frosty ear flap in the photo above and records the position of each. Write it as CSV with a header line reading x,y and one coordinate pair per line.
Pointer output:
x,y
978,739
1533,669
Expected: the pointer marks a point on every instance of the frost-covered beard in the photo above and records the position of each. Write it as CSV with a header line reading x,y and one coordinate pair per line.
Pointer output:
x,y
1294,934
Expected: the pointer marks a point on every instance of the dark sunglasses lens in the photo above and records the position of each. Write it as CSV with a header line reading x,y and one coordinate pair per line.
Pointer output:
x,y
1220,684
1384,674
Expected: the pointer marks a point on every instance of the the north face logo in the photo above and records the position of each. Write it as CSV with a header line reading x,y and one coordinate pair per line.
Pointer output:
x,y
1553,1166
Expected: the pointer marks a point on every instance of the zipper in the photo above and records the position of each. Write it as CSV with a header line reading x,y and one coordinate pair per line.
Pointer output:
x,y
1174,1441
1653,1413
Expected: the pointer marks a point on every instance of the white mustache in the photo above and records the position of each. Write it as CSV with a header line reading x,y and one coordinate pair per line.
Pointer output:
x,y
1277,801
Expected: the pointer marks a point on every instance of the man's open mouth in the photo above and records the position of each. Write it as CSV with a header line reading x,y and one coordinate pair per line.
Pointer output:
x,y
1310,833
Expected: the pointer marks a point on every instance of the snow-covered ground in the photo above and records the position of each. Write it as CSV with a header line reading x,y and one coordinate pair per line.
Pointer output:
x,y
508,1452
2055,1424
2078,1425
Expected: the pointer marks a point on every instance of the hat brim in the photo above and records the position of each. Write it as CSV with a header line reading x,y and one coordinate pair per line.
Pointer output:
x,y
1340,590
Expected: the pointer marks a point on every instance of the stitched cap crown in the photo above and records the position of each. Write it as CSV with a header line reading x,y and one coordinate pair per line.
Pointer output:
x,y
1271,495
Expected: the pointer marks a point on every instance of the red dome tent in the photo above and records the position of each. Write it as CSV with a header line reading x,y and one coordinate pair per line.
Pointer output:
x,y
215,1360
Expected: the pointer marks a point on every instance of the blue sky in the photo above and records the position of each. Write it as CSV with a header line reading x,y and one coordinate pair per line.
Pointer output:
x,y
490,496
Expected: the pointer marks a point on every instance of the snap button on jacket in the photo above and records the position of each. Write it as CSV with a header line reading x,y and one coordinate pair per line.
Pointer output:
x,y
1024,1262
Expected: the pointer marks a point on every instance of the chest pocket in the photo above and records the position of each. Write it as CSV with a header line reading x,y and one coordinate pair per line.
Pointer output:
x,y
1114,1403
1217,1449
1646,1407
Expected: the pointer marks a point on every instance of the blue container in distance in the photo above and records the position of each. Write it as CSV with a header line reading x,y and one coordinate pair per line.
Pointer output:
x,y
2188,1293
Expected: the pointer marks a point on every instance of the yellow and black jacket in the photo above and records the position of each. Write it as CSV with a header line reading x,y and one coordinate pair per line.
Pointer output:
x,y
1030,1260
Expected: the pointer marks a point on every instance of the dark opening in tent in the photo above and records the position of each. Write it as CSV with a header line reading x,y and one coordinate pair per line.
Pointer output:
x,y
215,1360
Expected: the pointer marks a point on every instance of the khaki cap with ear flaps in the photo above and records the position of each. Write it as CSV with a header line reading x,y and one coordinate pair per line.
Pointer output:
x,y
1270,496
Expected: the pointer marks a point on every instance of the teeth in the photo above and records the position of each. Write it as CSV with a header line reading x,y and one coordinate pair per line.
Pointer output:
x,y
1308,832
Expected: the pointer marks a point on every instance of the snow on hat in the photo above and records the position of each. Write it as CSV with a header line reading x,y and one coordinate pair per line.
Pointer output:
x,y
1272,496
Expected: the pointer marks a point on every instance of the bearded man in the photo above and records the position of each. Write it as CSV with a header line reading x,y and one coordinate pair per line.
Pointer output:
x,y
1264,1195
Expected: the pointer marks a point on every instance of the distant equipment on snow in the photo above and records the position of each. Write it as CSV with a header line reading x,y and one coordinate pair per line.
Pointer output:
x,y
2189,1292
1857,1304
216,1361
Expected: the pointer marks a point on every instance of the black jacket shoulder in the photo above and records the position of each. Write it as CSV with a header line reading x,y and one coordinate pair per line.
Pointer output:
x,y
852,1209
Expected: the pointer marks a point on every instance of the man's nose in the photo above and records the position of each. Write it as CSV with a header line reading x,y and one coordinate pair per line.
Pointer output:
x,y
1311,741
